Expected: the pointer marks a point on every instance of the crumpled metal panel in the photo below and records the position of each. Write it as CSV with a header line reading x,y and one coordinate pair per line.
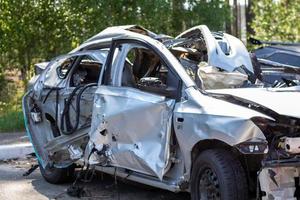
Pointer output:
x,y
207,118
49,78
238,56
214,79
39,130
280,101
279,182
136,126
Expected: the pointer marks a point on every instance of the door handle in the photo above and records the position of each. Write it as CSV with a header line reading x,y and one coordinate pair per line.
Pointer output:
x,y
180,119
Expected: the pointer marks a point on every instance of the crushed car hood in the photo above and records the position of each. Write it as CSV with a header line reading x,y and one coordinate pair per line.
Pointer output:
x,y
283,102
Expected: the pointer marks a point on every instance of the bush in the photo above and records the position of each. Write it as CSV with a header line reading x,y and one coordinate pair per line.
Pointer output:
x,y
11,119
276,20
3,86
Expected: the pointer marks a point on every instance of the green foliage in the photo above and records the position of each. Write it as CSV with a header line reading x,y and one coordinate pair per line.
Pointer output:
x,y
36,30
215,13
11,117
11,120
276,20
32,31
3,84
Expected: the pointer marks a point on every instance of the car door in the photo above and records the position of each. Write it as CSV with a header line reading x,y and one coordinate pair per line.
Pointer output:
x,y
68,73
131,123
50,133
85,72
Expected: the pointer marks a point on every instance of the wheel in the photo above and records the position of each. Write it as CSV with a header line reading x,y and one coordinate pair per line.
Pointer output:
x,y
58,175
216,174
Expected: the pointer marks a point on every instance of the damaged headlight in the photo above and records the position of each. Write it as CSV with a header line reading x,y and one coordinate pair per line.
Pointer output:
x,y
262,123
253,146
256,145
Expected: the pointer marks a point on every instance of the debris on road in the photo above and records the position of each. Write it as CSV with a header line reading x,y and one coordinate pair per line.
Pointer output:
x,y
13,185
33,167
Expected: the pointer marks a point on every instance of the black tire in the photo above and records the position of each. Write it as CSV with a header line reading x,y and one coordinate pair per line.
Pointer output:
x,y
221,175
58,175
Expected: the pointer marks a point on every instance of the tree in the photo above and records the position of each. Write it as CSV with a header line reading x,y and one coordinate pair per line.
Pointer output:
x,y
36,30
215,13
276,20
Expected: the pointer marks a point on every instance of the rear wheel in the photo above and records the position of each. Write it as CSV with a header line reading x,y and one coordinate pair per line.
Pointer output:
x,y
216,174
58,175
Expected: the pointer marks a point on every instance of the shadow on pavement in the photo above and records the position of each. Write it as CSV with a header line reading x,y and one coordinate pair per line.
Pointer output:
x,y
13,185
103,187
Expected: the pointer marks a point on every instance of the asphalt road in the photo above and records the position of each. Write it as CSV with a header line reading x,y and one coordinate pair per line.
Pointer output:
x,y
14,145
13,185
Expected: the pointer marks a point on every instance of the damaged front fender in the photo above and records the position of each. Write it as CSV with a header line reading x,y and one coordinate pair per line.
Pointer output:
x,y
211,119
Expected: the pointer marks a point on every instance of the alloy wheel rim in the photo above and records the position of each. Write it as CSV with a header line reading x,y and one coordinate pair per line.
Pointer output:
x,y
209,187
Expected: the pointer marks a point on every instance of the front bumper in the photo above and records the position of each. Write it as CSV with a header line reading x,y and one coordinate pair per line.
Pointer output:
x,y
279,182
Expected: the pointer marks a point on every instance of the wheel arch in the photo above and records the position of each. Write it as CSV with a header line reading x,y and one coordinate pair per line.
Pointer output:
x,y
211,144
250,163
207,144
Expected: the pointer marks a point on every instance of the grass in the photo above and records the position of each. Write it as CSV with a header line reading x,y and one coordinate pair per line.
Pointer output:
x,y
11,116
11,121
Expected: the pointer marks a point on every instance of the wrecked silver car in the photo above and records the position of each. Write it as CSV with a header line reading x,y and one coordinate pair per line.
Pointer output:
x,y
181,114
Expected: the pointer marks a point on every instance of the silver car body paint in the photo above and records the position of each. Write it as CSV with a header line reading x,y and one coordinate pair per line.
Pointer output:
x,y
52,80
207,118
41,133
133,128
138,127
277,100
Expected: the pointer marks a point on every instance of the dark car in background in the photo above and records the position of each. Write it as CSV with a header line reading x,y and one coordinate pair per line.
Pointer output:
x,y
279,62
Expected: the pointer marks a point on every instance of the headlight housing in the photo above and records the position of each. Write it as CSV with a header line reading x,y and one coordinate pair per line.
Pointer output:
x,y
253,146
262,123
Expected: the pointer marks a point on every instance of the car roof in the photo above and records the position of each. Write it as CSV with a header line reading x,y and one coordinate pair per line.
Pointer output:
x,y
286,48
115,32
294,48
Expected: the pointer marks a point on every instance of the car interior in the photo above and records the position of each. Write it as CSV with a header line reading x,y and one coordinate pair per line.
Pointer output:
x,y
145,70
86,71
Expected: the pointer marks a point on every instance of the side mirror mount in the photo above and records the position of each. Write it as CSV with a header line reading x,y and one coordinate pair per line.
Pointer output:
x,y
151,82
155,85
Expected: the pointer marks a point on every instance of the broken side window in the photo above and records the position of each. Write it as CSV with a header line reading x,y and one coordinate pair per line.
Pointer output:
x,y
86,71
145,70
64,68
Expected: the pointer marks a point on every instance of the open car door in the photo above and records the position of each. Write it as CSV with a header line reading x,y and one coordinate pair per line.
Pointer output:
x,y
58,109
131,124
